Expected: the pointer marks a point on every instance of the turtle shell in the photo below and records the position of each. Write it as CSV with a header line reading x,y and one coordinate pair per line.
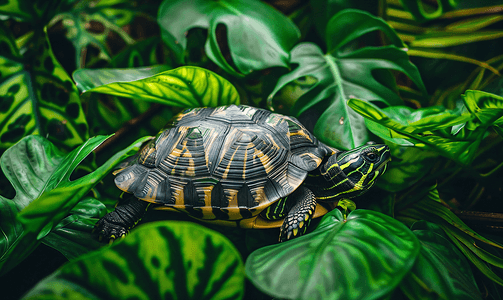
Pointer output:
x,y
224,163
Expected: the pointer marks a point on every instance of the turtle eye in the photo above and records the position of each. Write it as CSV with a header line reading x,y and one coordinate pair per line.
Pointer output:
x,y
371,156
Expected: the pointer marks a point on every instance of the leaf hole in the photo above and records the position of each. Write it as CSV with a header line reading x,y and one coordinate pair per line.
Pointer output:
x,y
223,44
428,6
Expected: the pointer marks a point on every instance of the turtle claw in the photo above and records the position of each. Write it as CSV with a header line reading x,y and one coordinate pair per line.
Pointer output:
x,y
109,231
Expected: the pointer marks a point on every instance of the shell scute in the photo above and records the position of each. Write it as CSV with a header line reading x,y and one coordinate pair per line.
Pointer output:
x,y
225,163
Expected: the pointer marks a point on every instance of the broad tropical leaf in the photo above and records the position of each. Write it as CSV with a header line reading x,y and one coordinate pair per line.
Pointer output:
x,y
162,260
87,79
73,235
344,74
258,36
368,249
182,87
436,128
44,194
440,269
86,25
37,95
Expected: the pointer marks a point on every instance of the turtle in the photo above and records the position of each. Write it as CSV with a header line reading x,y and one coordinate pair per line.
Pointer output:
x,y
241,166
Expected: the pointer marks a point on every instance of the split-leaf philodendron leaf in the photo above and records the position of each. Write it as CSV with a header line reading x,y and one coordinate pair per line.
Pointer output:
x,y
40,174
258,36
440,269
344,74
37,95
93,25
436,128
162,260
182,87
368,249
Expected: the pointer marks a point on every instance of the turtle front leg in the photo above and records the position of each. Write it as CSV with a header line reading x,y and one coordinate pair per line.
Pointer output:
x,y
117,223
298,218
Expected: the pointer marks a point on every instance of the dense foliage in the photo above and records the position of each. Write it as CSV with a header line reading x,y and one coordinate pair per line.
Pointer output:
x,y
83,84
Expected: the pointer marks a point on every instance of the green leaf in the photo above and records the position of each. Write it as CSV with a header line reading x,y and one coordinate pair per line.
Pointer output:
x,y
87,79
433,128
422,11
140,54
369,250
448,39
39,12
257,35
73,235
162,260
44,194
37,95
408,166
182,87
343,73
93,25
440,269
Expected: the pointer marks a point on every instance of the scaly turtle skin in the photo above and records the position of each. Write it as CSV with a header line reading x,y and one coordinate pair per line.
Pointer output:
x,y
242,166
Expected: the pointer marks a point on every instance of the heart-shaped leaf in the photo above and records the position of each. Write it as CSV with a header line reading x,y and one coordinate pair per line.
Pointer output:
x,y
440,269
344,74
44,194
161,260
368,249
37,95
182,87
258,36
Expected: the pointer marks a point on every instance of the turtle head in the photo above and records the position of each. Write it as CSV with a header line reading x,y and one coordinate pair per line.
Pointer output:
x,y
352,173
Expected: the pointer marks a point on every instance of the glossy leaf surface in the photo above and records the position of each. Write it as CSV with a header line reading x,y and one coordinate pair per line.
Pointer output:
x,y
37,95
162,260
435,128
73,235
258,36
440,269
342,74
183,87
44,194
87,79
368,249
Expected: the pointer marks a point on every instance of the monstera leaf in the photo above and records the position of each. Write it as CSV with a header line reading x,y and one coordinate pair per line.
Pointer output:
x,y
93,25
37,95
258,36
40,174
436,128
344,74
368,249
440,269
182,87
162,260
